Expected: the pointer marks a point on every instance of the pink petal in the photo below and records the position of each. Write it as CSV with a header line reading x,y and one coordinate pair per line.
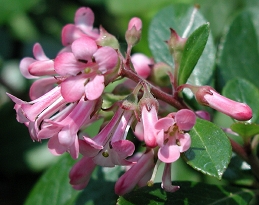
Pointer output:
x,y
80,173
24,67
72,89
65,137
89,147
66,64
160,138
164,123
84,18
39,53
84,48
70,33
106,57
139,131
41,68
185,141
135,21
169,153
123,148
41,87
73,150
94,88
185,119
55,147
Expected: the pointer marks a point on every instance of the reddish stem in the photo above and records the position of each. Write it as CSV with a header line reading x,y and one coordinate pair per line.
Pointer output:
x,y
125,72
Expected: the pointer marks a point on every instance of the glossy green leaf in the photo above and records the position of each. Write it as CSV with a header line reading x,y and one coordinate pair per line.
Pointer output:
x,y
178,17
192,52
244,91
210,150
239,50
245,129
192,193
54,188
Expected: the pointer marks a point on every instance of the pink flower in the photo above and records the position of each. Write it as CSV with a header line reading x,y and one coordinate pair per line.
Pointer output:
x,y
133,33
34,112
110,147
84,19
84,68
135,22
40,66
141,64
63,133
171,137
148,119
134,175
206,95
166,180
80,173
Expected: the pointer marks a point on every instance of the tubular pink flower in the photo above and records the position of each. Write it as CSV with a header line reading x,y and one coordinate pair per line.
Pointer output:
x,y
166,180
109,147
65,136
40,66
209,97
149,118
141,64
84,19
170,136
80,173
131,178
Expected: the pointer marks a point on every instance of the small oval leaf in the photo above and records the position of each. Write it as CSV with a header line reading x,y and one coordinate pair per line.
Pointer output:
x,y
193,49
210,150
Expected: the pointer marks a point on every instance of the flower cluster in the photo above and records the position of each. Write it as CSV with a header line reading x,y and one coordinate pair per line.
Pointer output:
x,y
69,94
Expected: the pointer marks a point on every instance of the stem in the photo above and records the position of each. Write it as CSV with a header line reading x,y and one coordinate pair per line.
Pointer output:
x,y
156,91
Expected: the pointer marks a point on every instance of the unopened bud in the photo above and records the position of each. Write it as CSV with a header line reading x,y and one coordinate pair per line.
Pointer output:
x,y
206,95
141,64
176,43
159,74
107,39
133,34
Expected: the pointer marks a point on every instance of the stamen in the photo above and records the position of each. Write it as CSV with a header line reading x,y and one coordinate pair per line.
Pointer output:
x,y
151,181
105,154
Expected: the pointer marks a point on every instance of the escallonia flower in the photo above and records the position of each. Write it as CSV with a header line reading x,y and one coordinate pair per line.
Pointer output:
x,y
142,64
172,137
83,26
84,69
34,68
107,149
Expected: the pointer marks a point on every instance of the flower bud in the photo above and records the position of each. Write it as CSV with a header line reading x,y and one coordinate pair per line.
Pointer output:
x,y
159,74
133,33
206,95
106,39
141,64
176,43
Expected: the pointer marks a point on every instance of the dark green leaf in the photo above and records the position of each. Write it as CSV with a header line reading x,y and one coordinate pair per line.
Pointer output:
x,y
53,187
245,129
192,193
242,90
178,17
239,50
210,150
192,52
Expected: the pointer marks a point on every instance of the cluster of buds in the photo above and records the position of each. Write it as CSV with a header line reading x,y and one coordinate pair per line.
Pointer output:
x,y
68,95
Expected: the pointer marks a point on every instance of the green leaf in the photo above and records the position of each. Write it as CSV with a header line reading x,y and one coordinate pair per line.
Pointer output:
x,y
192,193
239,49
192,51
245,129
210,150
53,187
178,17
244,91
